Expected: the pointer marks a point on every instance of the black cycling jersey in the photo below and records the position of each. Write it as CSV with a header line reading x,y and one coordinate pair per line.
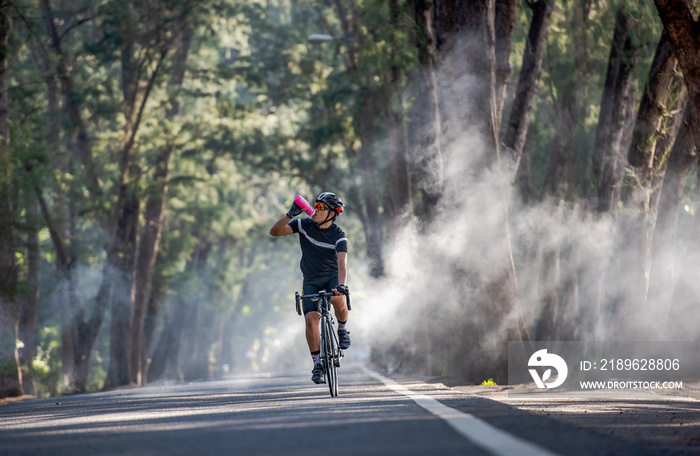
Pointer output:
x,y
319,247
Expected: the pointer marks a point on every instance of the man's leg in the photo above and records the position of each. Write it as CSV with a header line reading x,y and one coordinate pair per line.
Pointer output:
x,y
313,339
313,336
341,313
341,309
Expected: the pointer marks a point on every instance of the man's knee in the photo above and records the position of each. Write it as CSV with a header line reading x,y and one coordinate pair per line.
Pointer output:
x,y
312,319
338,301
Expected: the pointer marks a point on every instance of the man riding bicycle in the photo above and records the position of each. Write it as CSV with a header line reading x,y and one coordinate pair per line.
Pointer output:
x,y
324,249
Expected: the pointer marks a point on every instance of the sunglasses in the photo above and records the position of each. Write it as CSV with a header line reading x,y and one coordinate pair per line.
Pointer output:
x,y
320,207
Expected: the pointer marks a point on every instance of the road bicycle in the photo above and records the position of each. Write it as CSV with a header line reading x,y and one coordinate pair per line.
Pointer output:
x,y
330,351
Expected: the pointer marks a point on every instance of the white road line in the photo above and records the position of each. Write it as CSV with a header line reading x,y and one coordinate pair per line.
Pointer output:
x,y
472,428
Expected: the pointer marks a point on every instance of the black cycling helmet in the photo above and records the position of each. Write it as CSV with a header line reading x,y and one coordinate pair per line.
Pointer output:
x,y
332,201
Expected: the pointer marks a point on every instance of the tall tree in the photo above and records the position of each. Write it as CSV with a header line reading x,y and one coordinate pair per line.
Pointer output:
x,y
10,374
477,41
663,269
615,107
646,156
151,43
78,332
365,124
504,24
154,215
468,51
682,30
426,129
141,53
399,192
561,175
652,107
526,92
29,317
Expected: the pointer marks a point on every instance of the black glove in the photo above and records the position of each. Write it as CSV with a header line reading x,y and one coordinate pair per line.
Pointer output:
x,y
294,210
343,289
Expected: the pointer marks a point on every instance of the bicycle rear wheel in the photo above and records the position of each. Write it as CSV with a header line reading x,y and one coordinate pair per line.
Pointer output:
x,y
329,356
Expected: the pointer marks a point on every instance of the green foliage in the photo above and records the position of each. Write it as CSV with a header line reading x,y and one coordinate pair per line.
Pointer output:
x,y
489,382
47,363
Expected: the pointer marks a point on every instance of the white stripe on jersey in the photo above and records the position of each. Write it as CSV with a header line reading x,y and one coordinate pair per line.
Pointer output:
x,y
316,242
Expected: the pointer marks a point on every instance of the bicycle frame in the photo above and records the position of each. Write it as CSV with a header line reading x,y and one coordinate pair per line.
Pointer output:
x,y
330,350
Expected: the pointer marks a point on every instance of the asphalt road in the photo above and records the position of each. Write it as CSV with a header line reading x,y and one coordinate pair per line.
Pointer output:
x,y
288,415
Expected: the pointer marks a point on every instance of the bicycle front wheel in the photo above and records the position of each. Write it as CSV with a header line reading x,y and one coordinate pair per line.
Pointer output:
x,y
329,351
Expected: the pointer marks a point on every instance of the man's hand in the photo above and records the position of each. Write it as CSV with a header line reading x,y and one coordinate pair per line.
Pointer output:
x,y
294,210
341,290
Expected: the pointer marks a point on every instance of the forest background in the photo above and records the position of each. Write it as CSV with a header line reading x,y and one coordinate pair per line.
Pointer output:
x,y
513,170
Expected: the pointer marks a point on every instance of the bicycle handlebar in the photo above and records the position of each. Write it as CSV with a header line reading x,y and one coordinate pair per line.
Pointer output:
x,y
320,294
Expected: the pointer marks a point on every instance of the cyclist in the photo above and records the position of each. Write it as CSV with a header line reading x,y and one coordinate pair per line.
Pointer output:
x,y
324,249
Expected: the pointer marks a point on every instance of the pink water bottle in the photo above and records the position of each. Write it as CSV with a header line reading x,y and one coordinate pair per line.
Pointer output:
x,y
302,203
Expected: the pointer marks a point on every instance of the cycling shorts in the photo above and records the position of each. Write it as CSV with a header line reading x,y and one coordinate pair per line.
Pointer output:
x,y
314,285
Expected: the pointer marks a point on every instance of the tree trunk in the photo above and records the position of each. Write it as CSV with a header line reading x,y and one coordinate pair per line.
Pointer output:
x,y
663,259
652,106
29,318
632,250
130,70
154,214
68,297
364,122
653,136
505,18
77,331
655,129
550,274
368,191
153,310
682,30
124,260
608,157
466,47
636,225
526,92
10,373
121,256
192,357
146,260
445,23
561,176
398,197
475,46
425,121
398,189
